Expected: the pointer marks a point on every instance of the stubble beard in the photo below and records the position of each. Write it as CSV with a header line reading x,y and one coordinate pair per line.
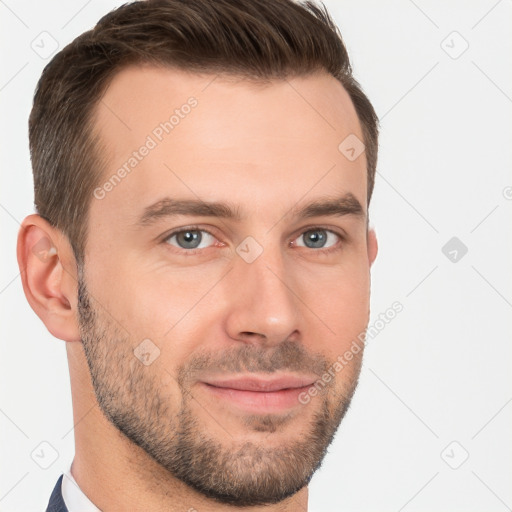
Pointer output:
x,y
133,399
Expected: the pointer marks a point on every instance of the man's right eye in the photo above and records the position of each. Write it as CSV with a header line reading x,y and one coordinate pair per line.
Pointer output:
x,y
190,238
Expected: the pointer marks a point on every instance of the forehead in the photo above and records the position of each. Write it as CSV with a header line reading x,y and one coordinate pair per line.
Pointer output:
x,y
167,132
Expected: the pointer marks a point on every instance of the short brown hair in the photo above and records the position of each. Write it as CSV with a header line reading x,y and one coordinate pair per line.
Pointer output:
x,y
255,39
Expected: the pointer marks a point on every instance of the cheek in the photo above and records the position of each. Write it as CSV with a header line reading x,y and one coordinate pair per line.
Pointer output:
x,y
346,283
178,308
341,299
172,307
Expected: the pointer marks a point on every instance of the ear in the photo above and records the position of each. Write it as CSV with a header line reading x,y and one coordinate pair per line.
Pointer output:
x,y
373,246
49,276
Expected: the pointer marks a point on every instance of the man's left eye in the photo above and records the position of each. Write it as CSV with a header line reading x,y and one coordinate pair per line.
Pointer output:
x,y
318,238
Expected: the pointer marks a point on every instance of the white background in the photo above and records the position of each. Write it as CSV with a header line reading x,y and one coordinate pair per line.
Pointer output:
x,y
441,370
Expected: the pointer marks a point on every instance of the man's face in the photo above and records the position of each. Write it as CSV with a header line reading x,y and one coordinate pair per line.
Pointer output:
x,y
266,295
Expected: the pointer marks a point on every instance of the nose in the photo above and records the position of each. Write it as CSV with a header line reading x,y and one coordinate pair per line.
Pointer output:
x,y
263,307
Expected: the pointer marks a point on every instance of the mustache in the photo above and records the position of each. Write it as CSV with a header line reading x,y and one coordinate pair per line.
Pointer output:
x,y
288,355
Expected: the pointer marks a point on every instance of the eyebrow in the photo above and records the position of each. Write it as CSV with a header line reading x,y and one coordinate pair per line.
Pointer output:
x,y
346,204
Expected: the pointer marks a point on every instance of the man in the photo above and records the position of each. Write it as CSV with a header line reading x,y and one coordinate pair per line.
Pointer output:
x,y
202,174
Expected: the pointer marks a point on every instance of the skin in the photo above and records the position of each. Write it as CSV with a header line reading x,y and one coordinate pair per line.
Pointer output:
x,y
294,309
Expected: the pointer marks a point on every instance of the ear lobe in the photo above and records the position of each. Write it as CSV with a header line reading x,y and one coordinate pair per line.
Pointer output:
x,y
48,278
373,246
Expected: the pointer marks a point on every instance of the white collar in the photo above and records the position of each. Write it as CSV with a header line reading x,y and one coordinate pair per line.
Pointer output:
x,y
74,498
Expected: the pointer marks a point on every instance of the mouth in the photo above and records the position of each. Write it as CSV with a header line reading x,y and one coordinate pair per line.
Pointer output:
x,y
260,395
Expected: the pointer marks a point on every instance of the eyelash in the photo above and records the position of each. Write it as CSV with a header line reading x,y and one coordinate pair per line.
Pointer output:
x,y
191,252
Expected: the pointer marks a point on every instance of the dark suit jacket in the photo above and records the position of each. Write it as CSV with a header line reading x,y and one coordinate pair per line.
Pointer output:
x,y
56,503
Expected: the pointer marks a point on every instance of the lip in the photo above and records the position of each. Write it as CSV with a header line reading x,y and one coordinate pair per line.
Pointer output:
x,y
259,395
249,383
